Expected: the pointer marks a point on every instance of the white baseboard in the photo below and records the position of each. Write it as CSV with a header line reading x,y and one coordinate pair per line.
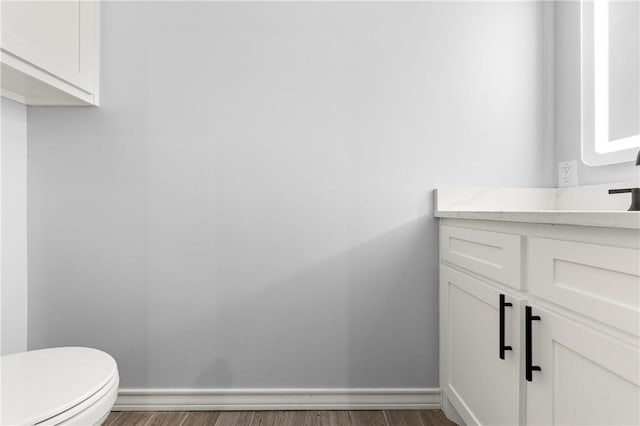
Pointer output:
x,y
278,399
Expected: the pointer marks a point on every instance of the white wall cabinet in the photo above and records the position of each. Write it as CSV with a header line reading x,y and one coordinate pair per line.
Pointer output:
x,y
577,360
49,51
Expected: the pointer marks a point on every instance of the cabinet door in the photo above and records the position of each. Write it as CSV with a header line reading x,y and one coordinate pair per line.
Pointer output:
x,y
59,37
492,254
586,377
600,282
483,388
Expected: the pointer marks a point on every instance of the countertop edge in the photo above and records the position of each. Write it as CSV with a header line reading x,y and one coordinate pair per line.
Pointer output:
x,y
627,220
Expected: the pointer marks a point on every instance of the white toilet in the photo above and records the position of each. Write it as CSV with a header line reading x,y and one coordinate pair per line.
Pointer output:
x,y
71,386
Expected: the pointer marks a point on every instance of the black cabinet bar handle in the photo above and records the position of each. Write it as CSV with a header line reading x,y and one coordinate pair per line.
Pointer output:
x,y
503,347
528,344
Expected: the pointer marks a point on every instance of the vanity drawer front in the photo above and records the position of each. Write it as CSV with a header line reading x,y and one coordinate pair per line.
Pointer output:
x,y
599,282
492,254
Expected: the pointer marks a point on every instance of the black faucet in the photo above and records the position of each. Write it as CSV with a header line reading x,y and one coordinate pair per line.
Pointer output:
x,y
635,192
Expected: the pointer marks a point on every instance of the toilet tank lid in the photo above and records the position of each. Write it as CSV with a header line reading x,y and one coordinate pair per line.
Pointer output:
x,y
37,385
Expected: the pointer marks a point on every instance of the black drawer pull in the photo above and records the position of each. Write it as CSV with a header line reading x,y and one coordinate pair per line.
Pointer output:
x,y
503,347
530,368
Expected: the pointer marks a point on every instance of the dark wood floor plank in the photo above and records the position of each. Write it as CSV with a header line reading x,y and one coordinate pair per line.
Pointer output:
x,y
403,418
367,418
167,418
111,417
268,418
201,418
333,418
234,418
300,418
132,418
434,418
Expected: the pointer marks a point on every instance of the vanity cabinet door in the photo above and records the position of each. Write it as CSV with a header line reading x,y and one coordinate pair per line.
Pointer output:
x,y
491,254
484,388
598,281
585,377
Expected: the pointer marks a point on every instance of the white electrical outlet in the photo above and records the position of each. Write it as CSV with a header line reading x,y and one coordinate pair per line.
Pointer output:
x,y
568,173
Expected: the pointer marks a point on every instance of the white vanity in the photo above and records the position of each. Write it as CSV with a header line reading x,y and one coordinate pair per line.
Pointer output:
x,y
539,306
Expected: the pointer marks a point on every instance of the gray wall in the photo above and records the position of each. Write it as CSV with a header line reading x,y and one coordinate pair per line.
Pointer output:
x,y
251,204
13,229
567,101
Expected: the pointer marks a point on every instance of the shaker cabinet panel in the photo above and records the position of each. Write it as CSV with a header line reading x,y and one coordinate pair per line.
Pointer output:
x,y
470,355
601,282
585,377
492,254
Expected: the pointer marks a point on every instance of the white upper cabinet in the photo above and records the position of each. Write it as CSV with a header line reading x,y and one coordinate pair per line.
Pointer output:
x,y
50,51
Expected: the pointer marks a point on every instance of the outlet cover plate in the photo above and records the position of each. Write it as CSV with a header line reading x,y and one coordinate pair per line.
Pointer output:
x,y
568,173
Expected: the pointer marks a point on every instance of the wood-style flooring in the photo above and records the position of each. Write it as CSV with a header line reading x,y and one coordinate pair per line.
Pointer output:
x,y
278,418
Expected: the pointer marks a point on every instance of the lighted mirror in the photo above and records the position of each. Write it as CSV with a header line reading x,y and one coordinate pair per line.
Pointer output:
x,y
610,37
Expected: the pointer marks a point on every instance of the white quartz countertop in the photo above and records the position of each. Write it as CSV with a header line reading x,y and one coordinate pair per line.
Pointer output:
x,y
581,206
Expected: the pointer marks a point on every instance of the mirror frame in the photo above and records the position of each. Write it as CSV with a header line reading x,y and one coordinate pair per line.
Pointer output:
x,y
597,148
